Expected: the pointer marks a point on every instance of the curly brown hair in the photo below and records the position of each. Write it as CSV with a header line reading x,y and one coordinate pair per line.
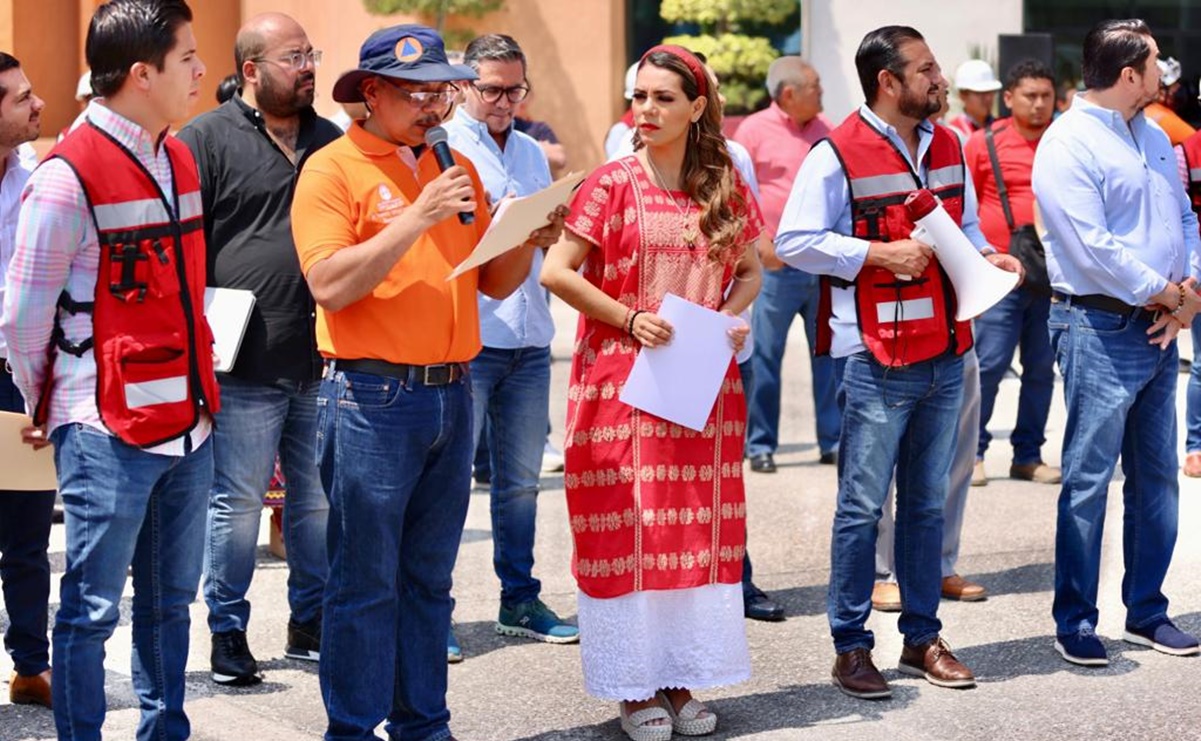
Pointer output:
x,y
707,175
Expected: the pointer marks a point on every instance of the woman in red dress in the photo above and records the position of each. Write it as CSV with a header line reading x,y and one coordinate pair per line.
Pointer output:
x,y
657,510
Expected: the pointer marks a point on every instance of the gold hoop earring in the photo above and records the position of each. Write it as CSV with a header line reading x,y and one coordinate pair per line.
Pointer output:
x,y
696,131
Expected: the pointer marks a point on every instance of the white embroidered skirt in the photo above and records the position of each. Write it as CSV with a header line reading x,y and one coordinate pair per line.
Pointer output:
x,y
641,642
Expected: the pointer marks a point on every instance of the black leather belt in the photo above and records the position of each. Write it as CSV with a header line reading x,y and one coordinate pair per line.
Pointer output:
x,y
1102,302
427,375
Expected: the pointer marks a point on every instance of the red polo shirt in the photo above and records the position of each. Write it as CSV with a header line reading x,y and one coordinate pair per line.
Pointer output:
x,y
1016,155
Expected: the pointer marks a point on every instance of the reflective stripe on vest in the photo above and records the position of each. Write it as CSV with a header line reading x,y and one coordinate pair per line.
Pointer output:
x,y
161,391
149,211
904,311
880,185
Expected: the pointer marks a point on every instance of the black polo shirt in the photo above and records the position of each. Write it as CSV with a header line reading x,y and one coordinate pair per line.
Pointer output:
x,y
246,183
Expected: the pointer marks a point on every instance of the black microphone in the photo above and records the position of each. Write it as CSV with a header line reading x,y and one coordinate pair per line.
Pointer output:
x,y
435,138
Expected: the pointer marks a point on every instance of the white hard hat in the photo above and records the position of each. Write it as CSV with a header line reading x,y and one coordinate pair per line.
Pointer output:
x,y
83,90
976,75
1169,71
631,75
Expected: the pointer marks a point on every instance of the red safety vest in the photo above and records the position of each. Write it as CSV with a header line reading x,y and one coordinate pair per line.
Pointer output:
x,y
902,322
1192,159
151,342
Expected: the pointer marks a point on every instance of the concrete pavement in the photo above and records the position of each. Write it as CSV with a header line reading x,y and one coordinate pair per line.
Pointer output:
x,y
515,689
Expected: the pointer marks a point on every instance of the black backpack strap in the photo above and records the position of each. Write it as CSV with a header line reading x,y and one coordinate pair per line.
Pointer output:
x,y
996,170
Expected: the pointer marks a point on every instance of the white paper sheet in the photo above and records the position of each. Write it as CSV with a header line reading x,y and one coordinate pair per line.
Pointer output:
x,y
680,381
228,313
515,219
25,469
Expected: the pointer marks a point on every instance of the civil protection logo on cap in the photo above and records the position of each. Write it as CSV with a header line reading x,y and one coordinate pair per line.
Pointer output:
x,y
409,49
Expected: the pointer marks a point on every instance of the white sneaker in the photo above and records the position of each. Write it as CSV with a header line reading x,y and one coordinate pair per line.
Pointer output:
x,y
552,459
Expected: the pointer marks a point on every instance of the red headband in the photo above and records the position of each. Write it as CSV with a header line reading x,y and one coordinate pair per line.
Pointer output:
x,y
694,64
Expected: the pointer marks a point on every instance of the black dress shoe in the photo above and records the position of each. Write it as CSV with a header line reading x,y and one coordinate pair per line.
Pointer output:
x,y
758,606
763,463
829,459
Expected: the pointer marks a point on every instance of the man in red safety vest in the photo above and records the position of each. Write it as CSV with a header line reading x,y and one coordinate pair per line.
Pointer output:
x,y
104,317
890,322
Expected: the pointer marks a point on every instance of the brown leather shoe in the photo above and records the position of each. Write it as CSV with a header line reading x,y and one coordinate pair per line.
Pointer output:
x,y
856,675
937,664
33,690
1192,465
1039,473
886,597
956,587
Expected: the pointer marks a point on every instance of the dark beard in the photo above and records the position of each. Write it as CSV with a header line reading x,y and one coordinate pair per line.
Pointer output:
x,y
276,100
917,107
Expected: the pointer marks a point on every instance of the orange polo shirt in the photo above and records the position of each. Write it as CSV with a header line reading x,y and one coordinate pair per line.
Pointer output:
x,y
347,193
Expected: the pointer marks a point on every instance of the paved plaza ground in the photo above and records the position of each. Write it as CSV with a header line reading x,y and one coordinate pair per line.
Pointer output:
x,y
515,689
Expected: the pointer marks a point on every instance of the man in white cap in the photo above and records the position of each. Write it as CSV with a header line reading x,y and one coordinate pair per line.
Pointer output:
x,y
977,85
1161,110
619,132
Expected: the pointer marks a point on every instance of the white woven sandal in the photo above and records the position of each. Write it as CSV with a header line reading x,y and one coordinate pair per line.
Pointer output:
x,y
689,722
638,724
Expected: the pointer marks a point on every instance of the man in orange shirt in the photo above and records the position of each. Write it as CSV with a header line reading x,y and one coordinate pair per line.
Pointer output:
x,y
378,230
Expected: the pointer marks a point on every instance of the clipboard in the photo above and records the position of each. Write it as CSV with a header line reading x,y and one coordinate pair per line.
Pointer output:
x,y
514,220
228,313
25,469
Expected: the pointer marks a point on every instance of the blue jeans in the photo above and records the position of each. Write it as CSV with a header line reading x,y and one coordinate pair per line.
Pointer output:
x,y
902,418
786,292
25,518
1121,399
255,421
963,460
1192,412
395,457
126,506
512,395
1018,320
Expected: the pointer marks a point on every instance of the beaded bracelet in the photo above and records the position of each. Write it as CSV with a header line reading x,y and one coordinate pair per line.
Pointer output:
x,y
1180,303
633,317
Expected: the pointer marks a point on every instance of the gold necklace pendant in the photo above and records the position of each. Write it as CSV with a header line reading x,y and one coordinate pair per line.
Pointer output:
x,y
689,230
690,236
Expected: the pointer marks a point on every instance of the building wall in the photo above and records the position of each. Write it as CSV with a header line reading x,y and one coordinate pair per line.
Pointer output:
x,y
953,29
26,30
575,51
579,94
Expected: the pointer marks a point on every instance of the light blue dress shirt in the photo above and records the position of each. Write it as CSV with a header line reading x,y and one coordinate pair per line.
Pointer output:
x,y
1118,220
523,319
815,230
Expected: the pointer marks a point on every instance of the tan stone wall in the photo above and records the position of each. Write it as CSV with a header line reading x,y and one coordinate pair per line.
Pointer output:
x,y
575,48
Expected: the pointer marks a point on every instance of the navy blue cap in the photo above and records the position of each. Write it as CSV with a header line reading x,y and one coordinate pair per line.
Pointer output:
x,y
407,52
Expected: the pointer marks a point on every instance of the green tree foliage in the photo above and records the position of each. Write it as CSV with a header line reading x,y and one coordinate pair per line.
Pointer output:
x,y
439,10
722,15
740,60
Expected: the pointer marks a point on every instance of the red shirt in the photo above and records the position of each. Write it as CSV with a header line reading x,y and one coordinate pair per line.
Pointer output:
x,y
1016,155
777,147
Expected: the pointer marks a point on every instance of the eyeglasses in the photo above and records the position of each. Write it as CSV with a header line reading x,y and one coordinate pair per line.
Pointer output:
x,y
296,60
492,93
424,98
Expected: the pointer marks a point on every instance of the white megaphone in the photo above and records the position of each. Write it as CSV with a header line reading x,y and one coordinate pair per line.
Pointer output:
x,y
979,284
